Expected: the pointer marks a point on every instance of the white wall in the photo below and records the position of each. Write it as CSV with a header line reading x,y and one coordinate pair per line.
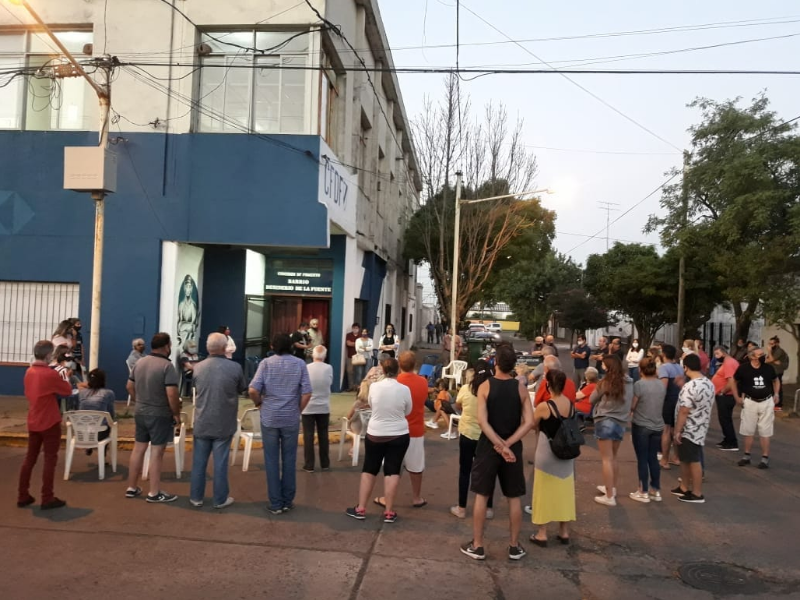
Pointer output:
x,y
789,345
177,262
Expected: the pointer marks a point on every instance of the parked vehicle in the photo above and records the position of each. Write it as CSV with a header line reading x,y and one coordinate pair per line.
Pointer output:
x,y
495,327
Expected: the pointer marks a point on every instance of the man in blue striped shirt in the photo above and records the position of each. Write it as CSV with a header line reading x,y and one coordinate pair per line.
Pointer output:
x,y
281,388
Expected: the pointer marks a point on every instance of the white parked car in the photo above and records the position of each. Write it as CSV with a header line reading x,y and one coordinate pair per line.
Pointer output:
x,y
495,327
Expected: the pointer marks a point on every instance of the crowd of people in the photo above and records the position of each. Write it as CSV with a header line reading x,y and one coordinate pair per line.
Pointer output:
x,y
663,395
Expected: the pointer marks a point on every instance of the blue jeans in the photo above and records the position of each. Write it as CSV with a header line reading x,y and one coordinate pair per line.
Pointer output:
x,y
203,448
647,445
280,462
634,373
359,371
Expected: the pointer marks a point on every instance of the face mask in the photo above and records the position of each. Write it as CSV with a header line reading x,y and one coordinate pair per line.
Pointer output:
x,y
762,359
686,350
635,345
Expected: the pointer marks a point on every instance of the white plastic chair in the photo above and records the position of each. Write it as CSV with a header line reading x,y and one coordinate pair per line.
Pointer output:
x,y
83,426
252,419
178,443
454,371
364,416
450,435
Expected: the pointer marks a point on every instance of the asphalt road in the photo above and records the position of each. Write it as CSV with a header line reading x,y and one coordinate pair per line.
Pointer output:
x,y
103,545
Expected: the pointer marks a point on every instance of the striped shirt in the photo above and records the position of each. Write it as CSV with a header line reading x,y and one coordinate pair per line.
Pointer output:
x,y
281,380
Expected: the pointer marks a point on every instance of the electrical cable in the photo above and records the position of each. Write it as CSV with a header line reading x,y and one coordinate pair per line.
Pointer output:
x,y
579,86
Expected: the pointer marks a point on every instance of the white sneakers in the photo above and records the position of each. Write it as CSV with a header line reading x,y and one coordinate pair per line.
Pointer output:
x,y
225,504
606,500
431,425
640,497
602,490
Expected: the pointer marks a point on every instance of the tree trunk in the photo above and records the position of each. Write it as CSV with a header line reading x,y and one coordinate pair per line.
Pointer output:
x,y
744,317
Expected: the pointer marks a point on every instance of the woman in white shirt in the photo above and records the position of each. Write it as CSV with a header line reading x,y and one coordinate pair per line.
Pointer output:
x,y
635,354
386,442
230,347
364,350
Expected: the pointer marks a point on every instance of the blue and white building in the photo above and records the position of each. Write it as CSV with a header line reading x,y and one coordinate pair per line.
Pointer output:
x,y
263,177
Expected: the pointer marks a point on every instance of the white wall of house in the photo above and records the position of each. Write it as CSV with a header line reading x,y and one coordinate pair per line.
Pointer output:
x,y
789,345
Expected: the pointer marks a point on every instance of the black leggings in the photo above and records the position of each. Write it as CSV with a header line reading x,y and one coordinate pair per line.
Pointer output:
x,y
466,454
390,453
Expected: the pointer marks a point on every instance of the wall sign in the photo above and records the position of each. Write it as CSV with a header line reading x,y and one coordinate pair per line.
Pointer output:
x,y
337,190
297,276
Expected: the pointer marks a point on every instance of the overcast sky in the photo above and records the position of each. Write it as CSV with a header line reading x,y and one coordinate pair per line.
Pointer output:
x,y
604,156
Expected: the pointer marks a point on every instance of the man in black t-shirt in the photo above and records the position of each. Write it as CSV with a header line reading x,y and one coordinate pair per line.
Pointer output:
x,y
755,387
599,353
300,341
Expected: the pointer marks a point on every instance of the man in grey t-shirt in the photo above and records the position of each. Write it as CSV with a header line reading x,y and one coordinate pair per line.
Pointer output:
x,y
218,382
318,411
153,386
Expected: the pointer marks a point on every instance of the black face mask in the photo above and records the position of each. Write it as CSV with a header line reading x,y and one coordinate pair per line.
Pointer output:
x,y
762,359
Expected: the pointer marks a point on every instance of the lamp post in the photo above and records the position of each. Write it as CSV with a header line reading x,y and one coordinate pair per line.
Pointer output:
x,y
103,91
456,251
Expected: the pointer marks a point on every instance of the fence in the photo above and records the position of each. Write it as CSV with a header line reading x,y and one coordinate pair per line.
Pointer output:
x,y
31,311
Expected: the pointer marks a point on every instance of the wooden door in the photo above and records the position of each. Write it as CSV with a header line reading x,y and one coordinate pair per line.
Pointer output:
x,y
286,315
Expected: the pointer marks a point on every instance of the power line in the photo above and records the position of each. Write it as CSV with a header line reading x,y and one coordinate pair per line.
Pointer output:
x,y
579,86
586,235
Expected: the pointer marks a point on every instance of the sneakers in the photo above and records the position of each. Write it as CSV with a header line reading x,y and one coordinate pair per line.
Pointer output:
x,y
475,553
744,461
286,508
763,465
449,436
275,511
728,447
656,496
132,493
606,500
528,510
489,514
678,492
54,503
196,503
640,497
161,498
389,517
357,513
778,409
516,552
431,425
459,512
27,502
308,469
690,497
225,504
602,490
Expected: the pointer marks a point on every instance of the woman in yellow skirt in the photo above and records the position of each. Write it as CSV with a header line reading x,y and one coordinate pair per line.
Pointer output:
x,y
554,478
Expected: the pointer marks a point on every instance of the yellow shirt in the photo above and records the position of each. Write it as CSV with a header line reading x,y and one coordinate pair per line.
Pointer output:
x,y
468,425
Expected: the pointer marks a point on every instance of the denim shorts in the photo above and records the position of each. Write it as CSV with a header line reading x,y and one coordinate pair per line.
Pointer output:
x,y
609,429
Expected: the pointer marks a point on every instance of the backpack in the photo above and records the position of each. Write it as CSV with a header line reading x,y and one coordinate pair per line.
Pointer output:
x,y
566,443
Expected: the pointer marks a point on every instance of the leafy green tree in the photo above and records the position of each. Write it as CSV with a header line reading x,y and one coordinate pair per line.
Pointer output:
x,y
632,279
743,210
528,287
703,289
578,311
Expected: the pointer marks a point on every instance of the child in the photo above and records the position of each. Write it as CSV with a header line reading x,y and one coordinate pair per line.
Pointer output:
x,y
443,405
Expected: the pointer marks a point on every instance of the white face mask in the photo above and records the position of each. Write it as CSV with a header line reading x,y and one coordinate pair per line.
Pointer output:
x,y
635,345
686,350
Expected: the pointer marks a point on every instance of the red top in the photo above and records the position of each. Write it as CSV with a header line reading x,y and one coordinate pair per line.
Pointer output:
x,y
351,350
584,406
543,393
42,386
419,393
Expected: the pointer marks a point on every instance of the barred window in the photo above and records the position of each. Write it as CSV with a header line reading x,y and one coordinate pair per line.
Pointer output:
x,y
31,311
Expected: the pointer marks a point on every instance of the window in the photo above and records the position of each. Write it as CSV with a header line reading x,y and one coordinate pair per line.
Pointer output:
x,y
264,93
30,312
39,102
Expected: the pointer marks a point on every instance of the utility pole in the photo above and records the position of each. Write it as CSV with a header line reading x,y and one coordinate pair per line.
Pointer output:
x,y
682,259
454,287
103,91
608,207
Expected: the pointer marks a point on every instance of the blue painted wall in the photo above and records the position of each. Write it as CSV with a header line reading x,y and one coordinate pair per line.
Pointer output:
x,y
199,188
223,295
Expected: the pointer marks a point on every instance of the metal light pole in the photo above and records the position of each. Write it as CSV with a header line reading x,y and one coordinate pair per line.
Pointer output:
x,y
456,249
103,91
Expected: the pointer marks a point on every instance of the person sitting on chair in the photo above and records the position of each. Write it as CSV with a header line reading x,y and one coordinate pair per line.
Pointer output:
x,y
97,397
443,405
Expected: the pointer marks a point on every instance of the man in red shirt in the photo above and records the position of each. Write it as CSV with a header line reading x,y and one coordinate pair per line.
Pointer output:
x,y
350,350
415,455
551,363
42,388
723,388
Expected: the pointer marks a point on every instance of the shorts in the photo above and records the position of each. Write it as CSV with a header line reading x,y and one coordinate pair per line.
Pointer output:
x,y
157,431
757,417
609,429
488,466
689,452
389,453
668,411
415,455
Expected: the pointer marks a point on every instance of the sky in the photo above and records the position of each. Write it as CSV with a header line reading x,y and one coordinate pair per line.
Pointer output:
x,y
587,152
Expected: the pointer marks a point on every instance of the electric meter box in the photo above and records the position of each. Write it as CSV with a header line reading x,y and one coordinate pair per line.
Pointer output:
x,y
90,169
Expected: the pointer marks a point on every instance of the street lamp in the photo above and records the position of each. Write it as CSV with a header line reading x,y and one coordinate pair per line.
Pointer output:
x,y
456,237
103,91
